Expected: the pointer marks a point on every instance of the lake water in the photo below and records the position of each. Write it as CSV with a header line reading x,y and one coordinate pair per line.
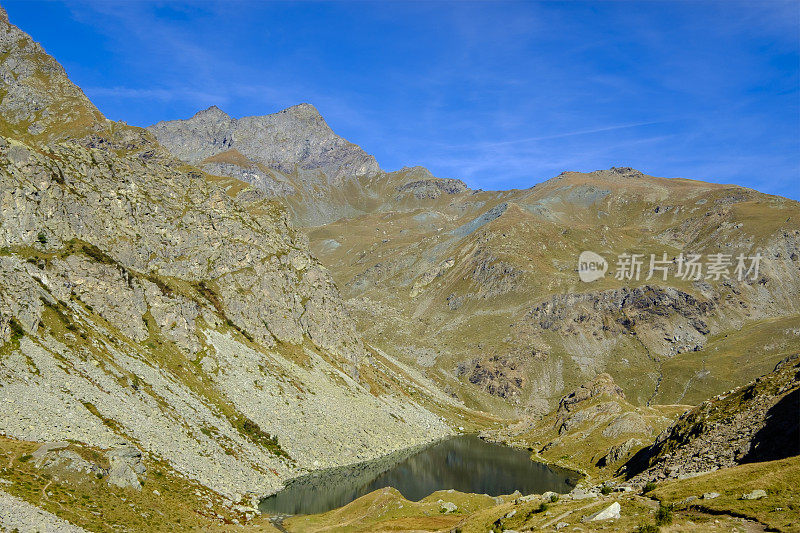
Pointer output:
x,y
463,463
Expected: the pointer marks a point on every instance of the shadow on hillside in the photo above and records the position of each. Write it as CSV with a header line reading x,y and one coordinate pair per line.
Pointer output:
x,y
780,436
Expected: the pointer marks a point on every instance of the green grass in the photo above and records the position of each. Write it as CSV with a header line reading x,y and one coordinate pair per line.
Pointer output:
x,y
779,510
664,515
252,431
89,502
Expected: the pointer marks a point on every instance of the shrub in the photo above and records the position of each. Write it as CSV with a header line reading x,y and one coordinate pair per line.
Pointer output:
x,y
664,515
96,254
647,528
16,330
42,237
251,430
649,486
605,490
554,498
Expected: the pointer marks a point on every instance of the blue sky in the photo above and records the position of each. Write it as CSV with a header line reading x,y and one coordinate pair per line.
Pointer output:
x,y
499,94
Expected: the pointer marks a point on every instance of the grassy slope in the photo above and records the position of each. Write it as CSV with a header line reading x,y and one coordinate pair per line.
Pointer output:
x,y
779,510
388,510
178,504
730,357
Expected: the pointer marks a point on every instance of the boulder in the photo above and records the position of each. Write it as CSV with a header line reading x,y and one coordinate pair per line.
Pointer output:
x,y
609,513
448,507
755,495
126,467
582,494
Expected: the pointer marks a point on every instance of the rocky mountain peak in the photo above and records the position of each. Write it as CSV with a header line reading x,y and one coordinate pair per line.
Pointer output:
x,y
306,112
38,99
212,112
293,140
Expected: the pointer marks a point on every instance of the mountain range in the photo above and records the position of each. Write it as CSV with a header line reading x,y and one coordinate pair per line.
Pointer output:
x,y
193,313
478,289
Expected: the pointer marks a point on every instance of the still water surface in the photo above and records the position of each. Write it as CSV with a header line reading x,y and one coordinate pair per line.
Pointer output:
x,y
464,463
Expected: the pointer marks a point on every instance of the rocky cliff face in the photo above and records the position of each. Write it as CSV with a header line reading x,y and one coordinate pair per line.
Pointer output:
x,y
142,301
297,138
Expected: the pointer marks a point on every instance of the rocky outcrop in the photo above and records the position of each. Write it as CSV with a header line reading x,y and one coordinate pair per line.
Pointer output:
x,y
669,321
38,101
126,467
297,138
497,375
602,384
122,467
619,452
757,422
433,188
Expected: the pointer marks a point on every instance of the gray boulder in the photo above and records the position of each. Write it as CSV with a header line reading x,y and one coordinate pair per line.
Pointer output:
x,y
609,513
448,507
126,467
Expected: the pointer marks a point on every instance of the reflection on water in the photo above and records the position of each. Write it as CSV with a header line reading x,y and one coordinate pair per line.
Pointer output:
x,y
464,463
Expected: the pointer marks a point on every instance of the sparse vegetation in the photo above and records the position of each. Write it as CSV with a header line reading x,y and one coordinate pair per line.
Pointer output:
x,y
778,511
664,515
17,332
89,502
58,309
252,431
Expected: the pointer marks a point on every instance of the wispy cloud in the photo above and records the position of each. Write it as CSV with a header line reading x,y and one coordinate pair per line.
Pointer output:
x,y
526,140
178,93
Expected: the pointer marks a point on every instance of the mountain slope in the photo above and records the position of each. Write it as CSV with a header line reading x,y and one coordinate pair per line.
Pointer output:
x,y
140,301
38,101
479,288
